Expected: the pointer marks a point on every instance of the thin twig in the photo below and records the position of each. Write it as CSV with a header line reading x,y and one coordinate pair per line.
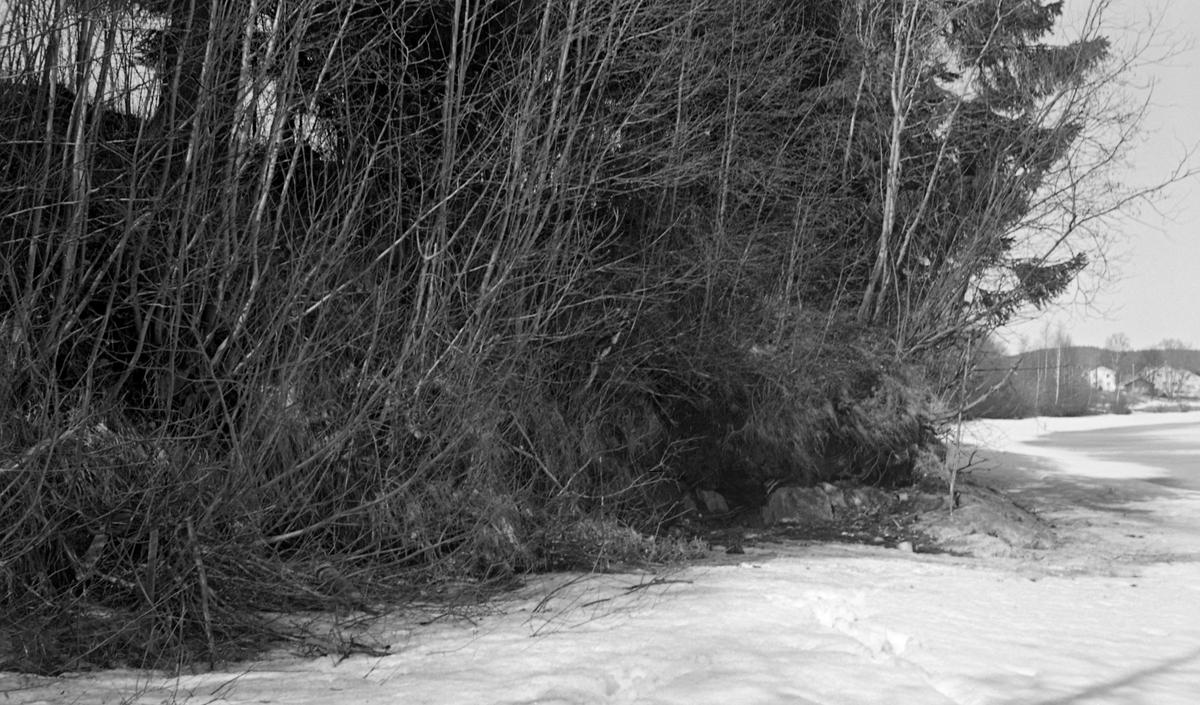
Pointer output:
x,y
200,572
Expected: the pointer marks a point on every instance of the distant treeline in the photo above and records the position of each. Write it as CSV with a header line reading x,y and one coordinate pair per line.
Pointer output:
x,y
1054,381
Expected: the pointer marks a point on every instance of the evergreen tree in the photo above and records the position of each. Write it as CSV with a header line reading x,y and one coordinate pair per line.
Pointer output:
x,y
983,113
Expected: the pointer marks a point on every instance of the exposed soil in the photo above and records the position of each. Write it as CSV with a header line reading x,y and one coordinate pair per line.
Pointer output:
x,y
985,521
1005,506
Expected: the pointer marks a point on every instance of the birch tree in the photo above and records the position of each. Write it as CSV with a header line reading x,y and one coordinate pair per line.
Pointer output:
x,y
985,180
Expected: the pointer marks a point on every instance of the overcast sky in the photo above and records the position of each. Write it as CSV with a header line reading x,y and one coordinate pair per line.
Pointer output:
x,y
1158,293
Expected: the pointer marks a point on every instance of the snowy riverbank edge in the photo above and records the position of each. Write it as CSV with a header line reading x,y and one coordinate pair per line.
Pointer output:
x,y
1108,616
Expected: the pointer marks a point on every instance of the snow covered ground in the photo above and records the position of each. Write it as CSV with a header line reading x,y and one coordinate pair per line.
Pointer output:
x,y
1111,616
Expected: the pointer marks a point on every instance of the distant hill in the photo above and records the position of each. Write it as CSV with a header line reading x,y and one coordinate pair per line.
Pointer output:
x,y
1089,357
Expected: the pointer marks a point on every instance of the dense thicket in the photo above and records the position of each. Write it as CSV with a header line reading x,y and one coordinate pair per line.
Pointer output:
x,y
433,288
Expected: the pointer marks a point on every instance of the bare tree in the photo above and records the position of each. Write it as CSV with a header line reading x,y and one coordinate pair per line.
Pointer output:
x,y
1170,377
1117,347
1062,342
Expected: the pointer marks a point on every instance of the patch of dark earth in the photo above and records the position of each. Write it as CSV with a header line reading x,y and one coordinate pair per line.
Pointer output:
x,y
894,524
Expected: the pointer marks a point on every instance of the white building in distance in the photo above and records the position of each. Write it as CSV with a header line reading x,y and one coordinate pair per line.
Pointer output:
x,y
1102,378
1172,382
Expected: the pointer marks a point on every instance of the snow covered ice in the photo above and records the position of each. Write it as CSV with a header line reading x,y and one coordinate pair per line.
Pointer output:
x,y
1111,615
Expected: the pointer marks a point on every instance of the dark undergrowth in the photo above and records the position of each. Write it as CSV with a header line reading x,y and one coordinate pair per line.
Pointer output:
x,y
132,543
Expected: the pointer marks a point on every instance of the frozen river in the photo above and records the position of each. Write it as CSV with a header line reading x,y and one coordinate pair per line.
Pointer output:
x,y
1171,447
